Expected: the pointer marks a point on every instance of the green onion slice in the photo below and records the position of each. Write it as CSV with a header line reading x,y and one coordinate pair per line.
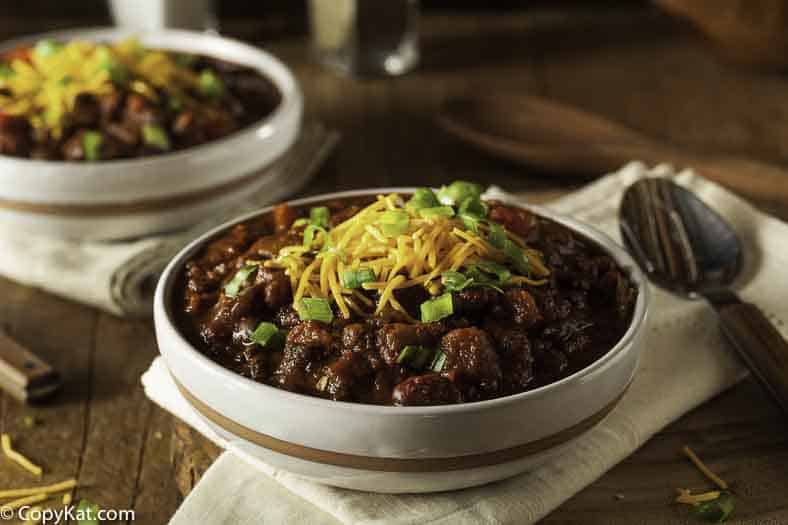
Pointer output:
x,y
436,309
437,211
310,234
155,136
319,216
473,206
235,284
500,271
717,510
6,71
268,335
45,48
455,281
458,191
415,356
423,198
438,361
91,145
87,513
315,309
471,222
497,235
210,85
355,277
517,257
394,222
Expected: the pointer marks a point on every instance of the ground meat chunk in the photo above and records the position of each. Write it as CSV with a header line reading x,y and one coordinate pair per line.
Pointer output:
x,y
514,350
516,220
430,389
275,287
309,334
357,338
521,307
287,317
342,376
292,370
475,300
392,338
471,360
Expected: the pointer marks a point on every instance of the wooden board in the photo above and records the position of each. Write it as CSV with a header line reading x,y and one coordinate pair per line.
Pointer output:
x,y
632,64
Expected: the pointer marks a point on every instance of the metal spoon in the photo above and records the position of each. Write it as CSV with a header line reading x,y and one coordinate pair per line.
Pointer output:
x,y
687,248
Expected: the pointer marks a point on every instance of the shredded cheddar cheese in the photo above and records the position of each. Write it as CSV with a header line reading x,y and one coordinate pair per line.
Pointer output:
x,y
27,500
686,497
46,489
721,483
411,251
67,497
13,455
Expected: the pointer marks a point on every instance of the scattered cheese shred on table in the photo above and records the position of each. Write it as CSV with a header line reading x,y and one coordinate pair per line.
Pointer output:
x,y
46,489
13,455
67,498
686,497
721,483
15,504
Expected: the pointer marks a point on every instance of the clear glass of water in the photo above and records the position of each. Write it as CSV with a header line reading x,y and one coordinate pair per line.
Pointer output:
x,y
366,37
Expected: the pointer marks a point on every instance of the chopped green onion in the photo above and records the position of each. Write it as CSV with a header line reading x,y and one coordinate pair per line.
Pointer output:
x,y
517,257
500,271
471,222
118,72
87,513
310,234
436,309
437,211
394,222
267,335
423,198
415,356
174,103
438,361
315,309
473,206
91,145
155,136
319,216
717,510
355,277
210,85
235,284
45,48
458,191
481,278
455,281
66,80
6,71
497,235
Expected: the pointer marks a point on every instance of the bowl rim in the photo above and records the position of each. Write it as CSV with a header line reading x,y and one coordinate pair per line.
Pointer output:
x,y
291,98
163,315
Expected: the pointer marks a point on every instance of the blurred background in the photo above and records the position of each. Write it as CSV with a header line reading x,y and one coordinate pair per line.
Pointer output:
x,y
703,75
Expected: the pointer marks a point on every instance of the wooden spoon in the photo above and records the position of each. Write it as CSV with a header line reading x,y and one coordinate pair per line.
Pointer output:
x,y
558,138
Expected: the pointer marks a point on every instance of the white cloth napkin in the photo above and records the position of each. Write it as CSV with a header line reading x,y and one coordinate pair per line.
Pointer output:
x,y
120,276
685,364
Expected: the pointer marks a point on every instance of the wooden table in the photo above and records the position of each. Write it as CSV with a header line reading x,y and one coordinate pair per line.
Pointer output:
x,y
635,65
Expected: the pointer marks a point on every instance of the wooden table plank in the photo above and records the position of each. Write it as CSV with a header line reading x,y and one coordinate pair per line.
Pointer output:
x,y
63,334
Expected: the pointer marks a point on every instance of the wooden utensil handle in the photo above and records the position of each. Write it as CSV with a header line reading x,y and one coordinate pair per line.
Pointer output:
x,y
22,373
757,180
760,345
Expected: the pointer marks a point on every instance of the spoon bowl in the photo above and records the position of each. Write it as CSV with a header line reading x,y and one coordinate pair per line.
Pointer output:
x,y
682,244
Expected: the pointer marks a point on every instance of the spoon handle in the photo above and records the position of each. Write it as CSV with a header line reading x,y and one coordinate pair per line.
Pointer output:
x,y
759,344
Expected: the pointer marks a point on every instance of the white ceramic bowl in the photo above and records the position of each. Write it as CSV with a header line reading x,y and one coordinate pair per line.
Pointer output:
x,y
129,198
399,449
